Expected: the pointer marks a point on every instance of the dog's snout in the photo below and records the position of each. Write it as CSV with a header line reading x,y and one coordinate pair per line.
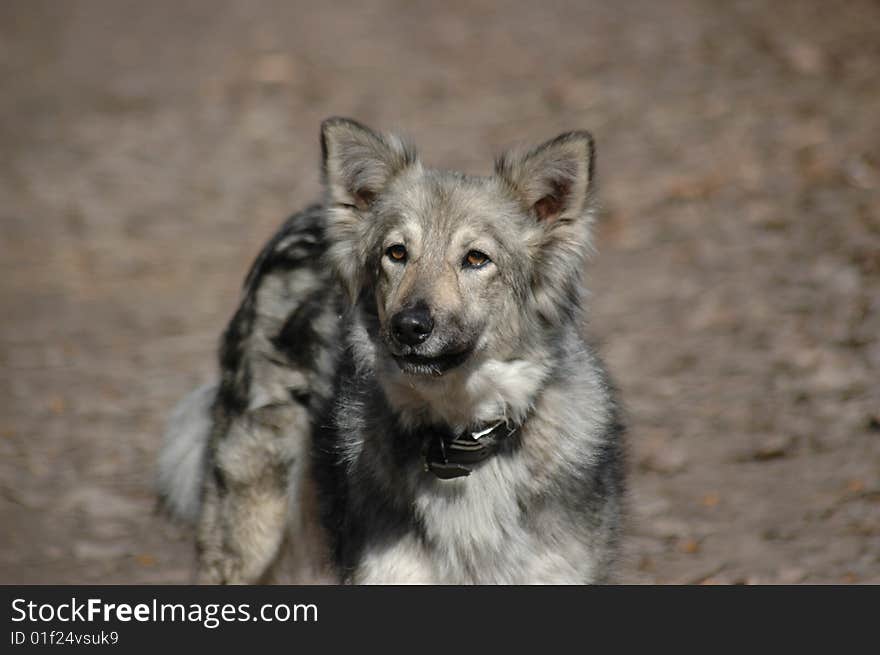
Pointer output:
x,y
412,326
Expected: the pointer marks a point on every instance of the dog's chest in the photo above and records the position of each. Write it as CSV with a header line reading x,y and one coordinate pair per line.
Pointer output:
x,y
475,529
463,537
473,513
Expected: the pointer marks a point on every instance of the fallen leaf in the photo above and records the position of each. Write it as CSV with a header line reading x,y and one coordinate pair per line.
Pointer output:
x,y
855,486
774,447
145,559
711,500
694,188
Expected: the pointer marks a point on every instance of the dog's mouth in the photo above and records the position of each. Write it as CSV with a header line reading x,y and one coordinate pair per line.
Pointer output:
x,y
437,365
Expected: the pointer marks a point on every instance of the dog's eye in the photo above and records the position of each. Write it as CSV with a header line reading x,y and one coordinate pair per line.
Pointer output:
x,y
396,253
475,259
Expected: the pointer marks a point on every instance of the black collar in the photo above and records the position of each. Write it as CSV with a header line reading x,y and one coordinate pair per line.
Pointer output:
x,y
449,456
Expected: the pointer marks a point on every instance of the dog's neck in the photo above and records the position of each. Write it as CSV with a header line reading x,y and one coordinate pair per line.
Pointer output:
x,y
479,394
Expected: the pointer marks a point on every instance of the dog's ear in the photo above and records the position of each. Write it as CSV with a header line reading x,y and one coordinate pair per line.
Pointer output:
x,y
554,185
554,181
358,166
359,163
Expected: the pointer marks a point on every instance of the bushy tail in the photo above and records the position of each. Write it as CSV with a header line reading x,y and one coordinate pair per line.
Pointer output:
x,y
183,455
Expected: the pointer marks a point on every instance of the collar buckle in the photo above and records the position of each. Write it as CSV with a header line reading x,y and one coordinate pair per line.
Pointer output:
x,y
449,457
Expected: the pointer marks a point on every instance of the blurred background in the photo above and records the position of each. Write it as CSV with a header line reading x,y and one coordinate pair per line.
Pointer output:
x,y
149,149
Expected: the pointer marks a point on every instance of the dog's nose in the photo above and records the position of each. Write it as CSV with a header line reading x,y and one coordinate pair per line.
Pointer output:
x,y
412,326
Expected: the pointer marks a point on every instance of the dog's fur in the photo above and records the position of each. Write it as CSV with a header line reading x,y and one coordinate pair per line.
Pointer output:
x,y
312,441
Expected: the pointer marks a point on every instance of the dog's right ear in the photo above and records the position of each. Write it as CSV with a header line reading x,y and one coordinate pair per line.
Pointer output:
x,y
358,166
359,163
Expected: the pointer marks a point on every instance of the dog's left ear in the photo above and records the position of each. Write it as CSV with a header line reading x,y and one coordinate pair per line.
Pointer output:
x,y
555,180
554,186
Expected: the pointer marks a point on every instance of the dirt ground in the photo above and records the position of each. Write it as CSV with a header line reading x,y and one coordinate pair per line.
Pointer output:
x,y
148,149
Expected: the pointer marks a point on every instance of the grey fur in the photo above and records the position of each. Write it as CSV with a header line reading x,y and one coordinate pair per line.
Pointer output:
x,y
324,405
182,458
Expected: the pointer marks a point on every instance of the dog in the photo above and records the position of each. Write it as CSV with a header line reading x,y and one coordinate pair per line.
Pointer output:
x,y
406,394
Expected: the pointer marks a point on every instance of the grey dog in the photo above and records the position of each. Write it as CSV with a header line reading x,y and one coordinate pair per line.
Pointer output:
x,y
406,394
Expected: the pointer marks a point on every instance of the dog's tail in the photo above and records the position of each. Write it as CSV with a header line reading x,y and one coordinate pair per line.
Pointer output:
x,y
182,460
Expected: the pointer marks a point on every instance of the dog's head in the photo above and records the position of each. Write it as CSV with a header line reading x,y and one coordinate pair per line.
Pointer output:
x,y
452,265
